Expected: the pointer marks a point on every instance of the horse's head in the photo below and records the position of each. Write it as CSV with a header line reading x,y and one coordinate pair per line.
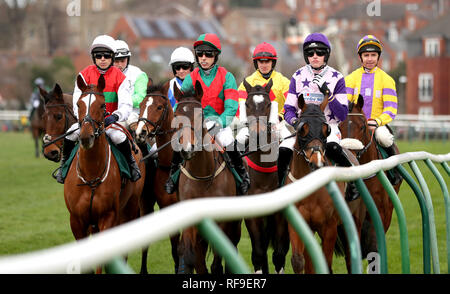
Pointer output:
x,y
259,112
354,128
312,132
57,117
189,114
91,111
155,111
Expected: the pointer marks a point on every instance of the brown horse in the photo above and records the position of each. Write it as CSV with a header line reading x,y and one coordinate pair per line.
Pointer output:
x,y
361,140
37,126
204,174
263,173
317,209
96,196
58,117
155,119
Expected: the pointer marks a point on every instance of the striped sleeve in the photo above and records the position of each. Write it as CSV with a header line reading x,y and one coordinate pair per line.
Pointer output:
x,y
231,98
390,102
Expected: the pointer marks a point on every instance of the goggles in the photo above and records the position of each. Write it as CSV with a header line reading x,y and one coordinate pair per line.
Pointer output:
x,y
207,53
318,52
99,55
184,66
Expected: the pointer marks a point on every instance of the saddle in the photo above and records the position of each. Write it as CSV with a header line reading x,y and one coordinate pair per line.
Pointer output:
x,y
120,158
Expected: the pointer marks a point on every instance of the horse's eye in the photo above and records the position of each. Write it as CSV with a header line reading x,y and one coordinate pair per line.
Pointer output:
x,y
103,106
160,107
58,116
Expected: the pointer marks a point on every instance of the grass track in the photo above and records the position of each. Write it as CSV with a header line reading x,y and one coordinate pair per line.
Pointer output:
x,y
33,214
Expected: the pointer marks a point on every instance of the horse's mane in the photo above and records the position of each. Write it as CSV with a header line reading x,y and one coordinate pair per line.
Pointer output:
x,y
155,88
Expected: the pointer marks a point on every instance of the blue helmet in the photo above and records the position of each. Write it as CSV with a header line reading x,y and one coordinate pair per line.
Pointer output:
x,y
316,40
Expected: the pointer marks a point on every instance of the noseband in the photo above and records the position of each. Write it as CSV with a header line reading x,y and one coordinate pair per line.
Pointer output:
x,y
157,126
366,147
88,119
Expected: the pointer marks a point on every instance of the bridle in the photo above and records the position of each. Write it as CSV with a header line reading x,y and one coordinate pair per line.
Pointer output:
x,y
68,112
359,153
96,125
157,126
303,143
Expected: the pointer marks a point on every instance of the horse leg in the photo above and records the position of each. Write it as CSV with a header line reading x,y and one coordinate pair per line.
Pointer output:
x,y
146,204
297,259
201,247
174,241
280,242
328,234
186,252
259,240
234,234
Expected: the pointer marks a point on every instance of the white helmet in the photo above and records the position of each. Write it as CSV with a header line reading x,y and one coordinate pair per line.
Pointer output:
x,y
122,49
181,54
104,41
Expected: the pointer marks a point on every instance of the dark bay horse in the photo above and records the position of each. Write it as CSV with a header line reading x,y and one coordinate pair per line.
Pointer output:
x,y
359,139
317,209
155,120
58,117
204,174
262,162
95,194
37,126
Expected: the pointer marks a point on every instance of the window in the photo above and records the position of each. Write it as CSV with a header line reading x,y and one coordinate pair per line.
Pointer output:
x,y
97,5
432,47
425,111
425,87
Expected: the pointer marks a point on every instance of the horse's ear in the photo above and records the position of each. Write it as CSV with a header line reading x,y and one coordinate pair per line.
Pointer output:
x,y
198,90
324,103
269,86
301,102
177,93
360,102
81,84
247,86
101,83
57,91
44,94
165,88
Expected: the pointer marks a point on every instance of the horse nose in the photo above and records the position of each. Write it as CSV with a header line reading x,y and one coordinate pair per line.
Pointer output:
x,y
52,155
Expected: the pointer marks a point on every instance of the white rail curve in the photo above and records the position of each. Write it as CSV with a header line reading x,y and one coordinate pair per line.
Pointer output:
x,y
103,247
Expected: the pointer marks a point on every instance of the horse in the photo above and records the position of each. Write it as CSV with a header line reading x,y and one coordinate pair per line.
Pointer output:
x,y
358,138
37,126
96,195
154,123
58,117
317,209
264,178
203,174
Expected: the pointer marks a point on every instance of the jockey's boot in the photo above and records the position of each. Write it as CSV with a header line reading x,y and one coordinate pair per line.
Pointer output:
x,y
171,185
67,149
335,152
393,176
238,164
284,159
125,148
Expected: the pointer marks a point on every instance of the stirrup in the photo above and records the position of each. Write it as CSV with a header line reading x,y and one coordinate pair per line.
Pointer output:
x,y
57,175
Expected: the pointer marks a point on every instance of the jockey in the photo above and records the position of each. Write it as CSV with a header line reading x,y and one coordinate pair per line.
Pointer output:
x,y
182,63
135,75
35,98
264,60
220,103
315,81
117,93
379,93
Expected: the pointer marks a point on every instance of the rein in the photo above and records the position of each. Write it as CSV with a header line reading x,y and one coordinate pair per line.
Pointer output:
x,y
366,147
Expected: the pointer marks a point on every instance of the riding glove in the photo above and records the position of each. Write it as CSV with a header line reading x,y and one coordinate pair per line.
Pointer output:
x,y
111,119
321,84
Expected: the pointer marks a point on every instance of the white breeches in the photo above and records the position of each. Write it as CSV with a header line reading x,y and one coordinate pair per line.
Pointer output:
x,y
116,136
335,136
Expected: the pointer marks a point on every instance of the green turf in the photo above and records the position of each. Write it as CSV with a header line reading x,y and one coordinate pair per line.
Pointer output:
x,y
33,214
